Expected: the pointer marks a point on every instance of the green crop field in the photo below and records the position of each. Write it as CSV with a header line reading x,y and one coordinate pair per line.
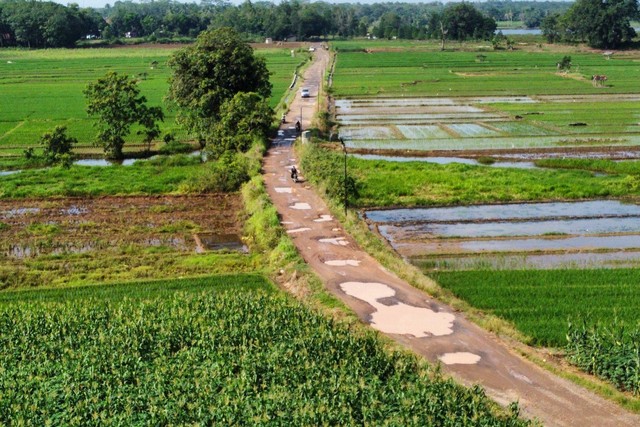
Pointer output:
x,y
156,176
383,183
209,351
43,88
412,72
593,313
540,303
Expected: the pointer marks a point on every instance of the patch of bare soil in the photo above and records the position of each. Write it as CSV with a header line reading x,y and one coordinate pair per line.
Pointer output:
x,y
33,227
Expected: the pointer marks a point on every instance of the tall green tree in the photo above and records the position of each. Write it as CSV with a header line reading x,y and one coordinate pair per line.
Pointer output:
x,y
116,102
602,23
245,118
209,73
552,27
463,21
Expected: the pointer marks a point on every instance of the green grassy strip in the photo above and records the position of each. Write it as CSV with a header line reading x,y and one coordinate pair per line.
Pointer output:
x,y
384,183
626,167
121,264
164,175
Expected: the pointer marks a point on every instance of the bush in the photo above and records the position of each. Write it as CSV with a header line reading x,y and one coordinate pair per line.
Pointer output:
x,y
175,147
226,175
326,169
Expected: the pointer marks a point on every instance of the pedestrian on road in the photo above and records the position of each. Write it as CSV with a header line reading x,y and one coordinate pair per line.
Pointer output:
x,y
294,174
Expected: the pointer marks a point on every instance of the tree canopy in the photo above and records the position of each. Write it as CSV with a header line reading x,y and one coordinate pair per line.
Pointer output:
x,y
245,118
211,72
116,102
603,24
36,24
46,24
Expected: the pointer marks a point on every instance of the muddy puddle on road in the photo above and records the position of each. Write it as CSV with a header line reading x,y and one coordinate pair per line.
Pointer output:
x,y
536,235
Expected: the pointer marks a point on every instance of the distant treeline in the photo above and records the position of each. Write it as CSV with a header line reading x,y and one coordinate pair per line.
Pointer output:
x,y
38,24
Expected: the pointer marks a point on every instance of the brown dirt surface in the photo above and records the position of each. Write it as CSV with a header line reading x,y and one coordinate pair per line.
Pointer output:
x,y
375,295
43,226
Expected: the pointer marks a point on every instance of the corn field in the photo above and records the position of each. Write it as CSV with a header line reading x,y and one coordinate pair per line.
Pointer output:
x,y
612,353
228,357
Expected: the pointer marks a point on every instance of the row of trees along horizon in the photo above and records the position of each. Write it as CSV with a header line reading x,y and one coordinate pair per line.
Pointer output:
x,y
41,24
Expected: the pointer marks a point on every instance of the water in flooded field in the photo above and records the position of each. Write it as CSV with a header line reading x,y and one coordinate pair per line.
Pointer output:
x,y
593,208
580,233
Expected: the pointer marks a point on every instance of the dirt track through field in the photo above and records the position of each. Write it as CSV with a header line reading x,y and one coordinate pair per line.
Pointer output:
x,y
408,315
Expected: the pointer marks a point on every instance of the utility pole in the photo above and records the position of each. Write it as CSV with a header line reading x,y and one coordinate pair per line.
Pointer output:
x,y
344,148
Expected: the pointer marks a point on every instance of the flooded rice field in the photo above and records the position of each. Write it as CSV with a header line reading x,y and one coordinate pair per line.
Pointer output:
x,y
36,227
536,235
475,124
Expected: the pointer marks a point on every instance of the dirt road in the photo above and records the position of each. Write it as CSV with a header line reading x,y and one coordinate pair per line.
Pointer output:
x,y
408,315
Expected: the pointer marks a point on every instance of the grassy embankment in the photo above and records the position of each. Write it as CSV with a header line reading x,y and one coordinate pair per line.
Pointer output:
x,y
423,184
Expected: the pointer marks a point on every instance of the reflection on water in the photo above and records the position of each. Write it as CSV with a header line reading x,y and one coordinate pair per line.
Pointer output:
x,y
521,245
520,31
595,208
580,233
4,173
582,226
126,162
93,162
18,212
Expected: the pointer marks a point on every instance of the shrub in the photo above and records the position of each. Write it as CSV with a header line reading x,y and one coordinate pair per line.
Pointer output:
x,y
227,174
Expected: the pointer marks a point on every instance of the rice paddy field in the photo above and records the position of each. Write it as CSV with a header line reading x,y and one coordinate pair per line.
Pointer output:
x,y
385,70
43,88
415,98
